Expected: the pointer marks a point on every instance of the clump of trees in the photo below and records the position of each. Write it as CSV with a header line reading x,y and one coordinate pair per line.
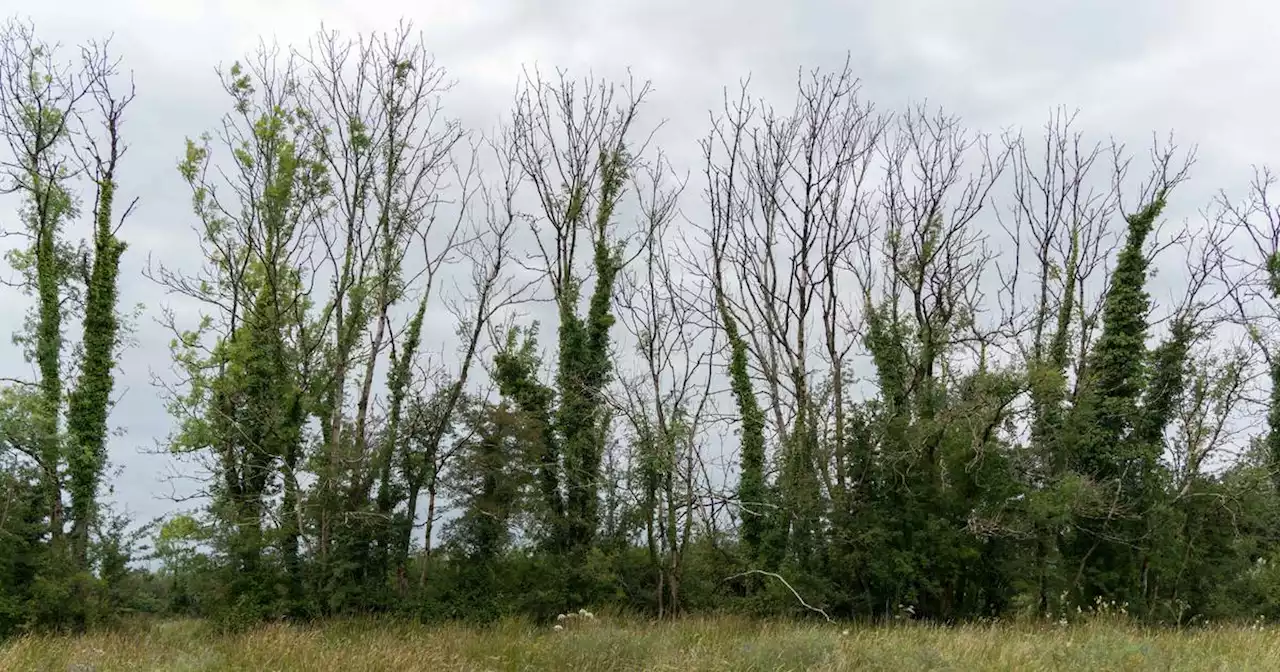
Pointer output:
x,y
872,359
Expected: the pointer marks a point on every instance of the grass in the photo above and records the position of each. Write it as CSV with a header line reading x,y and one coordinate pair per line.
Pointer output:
x,y
608,644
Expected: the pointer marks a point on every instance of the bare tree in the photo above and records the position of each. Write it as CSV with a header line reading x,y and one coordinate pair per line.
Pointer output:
x,y
575,147
666,402
1250,268
423,457
790,203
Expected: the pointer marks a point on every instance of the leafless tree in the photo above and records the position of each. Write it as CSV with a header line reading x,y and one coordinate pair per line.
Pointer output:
x,y
791,200
665,403
422,453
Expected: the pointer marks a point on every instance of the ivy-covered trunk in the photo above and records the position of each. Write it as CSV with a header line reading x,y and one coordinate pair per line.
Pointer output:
x,y
90,402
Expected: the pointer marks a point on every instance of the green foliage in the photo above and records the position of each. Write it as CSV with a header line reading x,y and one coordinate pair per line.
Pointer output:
x,y
55,119
90,401
979,472
515,370
752,492
1118,429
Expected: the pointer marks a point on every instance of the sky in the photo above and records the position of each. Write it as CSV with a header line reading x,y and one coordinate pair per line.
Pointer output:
x,y
1209,71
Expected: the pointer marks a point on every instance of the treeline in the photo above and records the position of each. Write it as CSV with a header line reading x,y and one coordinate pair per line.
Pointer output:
x,y
855,363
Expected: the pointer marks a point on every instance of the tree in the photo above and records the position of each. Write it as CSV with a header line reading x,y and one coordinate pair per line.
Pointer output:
x,y
90,401
61,122
1121,412
420,451
373,112
788,206
575,151
489,478
666,402
243,402
1064,200
40,101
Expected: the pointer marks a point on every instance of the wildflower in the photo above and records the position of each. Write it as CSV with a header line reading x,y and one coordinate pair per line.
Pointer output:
x,y
844,633
558,627
561,617
582,612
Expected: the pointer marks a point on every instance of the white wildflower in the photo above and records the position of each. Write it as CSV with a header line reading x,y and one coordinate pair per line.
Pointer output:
x,y
558,627
561,617
844,633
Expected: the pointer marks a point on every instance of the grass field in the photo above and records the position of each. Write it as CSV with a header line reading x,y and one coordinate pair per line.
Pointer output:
x,y
608,644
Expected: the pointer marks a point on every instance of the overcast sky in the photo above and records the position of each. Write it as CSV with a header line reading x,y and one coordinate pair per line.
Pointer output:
x,y
1208,70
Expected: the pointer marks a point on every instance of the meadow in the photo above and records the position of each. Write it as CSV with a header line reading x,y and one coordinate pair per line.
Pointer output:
x,y
713,643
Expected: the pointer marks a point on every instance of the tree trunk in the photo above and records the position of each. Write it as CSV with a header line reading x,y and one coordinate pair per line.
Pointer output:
x,y
426,547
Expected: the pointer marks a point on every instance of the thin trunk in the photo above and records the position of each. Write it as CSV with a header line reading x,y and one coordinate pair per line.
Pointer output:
x,y
362,479
49,359
426,547
91,400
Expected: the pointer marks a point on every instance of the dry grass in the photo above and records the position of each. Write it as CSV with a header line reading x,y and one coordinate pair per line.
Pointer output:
x,y
607,644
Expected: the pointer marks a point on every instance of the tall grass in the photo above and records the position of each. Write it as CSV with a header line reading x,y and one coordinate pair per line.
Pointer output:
x,y
719,643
